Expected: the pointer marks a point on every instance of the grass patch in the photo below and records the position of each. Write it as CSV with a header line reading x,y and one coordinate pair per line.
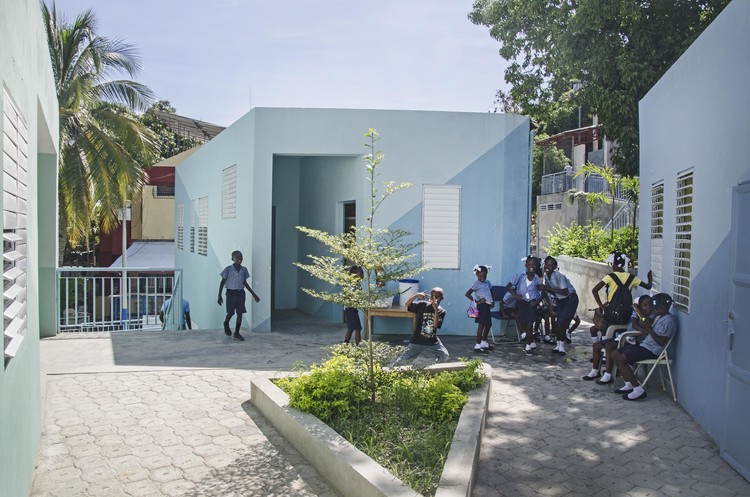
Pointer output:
x,y
409,427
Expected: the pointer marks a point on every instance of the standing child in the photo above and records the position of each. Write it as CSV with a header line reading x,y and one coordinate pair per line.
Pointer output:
x,y
559,285
618,278
482,296
430,317
524,295
235,278
353,323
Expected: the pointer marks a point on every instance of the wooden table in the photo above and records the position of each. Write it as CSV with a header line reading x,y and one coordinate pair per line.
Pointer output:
x,y
395,311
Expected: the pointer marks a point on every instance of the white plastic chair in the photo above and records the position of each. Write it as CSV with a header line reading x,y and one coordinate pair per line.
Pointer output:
x,y
651,365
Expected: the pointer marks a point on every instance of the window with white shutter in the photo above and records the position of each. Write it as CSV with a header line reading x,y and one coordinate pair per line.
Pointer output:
x,y
229,193
441,226
657,233
203,226
192,225
180,227
15,196
683,243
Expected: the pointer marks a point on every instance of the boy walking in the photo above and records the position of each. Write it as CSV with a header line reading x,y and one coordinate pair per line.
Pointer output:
x,y
235,278
429,318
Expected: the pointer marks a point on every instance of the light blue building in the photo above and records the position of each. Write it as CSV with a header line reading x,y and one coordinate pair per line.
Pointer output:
x,y
695,223
29,141
275,169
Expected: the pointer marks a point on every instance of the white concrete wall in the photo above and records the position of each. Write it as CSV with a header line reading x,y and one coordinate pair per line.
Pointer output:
x,y
696,117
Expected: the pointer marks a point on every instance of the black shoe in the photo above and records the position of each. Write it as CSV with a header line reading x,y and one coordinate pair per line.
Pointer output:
x,y
600,382
481,351
591,378
548,340
623,390
227,331
239,337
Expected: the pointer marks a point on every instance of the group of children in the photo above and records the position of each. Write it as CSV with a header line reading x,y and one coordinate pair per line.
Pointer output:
x,y
530,297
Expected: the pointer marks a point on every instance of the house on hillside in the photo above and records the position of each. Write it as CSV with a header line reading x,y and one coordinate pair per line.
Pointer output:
x,y
554,205
694,223
275,169
29,132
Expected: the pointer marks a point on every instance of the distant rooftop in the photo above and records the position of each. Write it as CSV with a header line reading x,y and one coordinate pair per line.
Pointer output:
x,y
189,127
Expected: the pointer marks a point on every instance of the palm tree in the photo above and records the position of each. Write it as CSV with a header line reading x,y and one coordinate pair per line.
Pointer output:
x,y
104,149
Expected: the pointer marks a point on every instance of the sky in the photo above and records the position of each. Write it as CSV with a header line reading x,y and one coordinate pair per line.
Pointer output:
x,y
214,60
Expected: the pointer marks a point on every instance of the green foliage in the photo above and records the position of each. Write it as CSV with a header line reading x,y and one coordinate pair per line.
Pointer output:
x,y
101,141
615,49
382,353
591,241
382,254
408,428
333,389
170,143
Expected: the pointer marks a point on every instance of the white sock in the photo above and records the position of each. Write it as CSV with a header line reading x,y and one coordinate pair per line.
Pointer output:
x,y
606,377
594,339
637,392
627,386
484,344
560,346
477,346
528,347
533,345
547,338
593,373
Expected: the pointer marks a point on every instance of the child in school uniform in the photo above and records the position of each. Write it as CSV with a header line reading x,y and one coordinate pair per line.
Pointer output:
x,y
481,294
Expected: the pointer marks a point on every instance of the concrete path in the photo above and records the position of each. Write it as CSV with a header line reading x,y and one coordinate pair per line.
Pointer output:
x,y
168,413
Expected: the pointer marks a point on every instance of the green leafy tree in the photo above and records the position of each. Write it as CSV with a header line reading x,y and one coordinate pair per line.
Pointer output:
x,y
103,146
383,255
615,49
170,143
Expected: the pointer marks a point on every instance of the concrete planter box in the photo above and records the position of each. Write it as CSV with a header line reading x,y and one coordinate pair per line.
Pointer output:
x,y
349,470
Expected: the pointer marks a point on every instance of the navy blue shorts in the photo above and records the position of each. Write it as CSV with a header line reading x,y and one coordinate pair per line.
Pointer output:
x,y
236,301
635,353
566,309
352,319
484,316
526,313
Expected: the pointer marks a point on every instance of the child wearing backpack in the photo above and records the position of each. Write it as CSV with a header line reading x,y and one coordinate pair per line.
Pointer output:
x,y
619,283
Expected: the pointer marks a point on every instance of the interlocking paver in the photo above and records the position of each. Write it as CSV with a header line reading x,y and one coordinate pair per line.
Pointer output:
x,y
160,430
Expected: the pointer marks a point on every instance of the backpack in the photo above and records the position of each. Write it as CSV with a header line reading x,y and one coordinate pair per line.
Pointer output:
x,y
620,308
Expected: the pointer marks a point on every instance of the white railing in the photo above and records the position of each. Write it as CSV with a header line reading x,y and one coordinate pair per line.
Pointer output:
x,y
621,218
89,298
561,182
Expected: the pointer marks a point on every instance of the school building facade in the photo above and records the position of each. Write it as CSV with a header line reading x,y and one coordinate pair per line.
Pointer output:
x,y
275,169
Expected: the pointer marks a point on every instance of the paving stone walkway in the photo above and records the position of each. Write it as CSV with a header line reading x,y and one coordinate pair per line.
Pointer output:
x,y
168,413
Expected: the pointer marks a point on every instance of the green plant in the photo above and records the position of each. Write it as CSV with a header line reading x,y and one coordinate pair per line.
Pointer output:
x,y
589,241
333,389
409,426
383,254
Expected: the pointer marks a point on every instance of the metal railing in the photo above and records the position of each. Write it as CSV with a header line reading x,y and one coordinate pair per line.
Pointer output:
x,y
90,298
562,182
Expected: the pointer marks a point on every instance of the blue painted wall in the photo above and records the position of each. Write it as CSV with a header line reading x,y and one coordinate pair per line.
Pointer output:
x,y
696,117
303,164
